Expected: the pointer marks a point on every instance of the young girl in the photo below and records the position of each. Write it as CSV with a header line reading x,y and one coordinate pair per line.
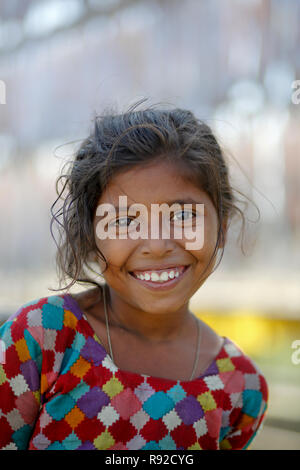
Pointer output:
x,y
126,364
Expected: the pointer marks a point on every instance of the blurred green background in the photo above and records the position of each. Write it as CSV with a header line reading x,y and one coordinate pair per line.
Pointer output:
x,y
235,64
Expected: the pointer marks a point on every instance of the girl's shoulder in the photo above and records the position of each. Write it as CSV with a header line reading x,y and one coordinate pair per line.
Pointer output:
x,y
50,311
51,318
228,358
235,358
242,377
234,370
38,312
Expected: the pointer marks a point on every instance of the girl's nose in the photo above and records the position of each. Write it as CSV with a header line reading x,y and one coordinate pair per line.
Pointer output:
x,y
159,240
157,247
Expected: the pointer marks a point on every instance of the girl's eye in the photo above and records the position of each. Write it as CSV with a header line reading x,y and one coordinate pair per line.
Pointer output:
x,y
189,216
179,217
122,222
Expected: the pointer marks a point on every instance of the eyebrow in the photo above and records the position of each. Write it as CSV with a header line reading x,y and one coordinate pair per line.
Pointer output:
x,y
170,203
184,201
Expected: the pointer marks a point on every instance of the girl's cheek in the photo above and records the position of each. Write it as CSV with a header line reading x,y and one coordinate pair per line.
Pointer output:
x,y
115,253
193,239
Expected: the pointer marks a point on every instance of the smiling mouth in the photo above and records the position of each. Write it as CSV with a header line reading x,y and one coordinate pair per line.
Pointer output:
x,y
160,278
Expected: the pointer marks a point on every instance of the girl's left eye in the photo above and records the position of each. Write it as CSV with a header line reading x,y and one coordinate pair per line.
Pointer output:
x,y
190,215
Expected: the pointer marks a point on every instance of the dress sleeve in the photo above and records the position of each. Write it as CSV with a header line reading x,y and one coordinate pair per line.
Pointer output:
x,y
247,416
20,371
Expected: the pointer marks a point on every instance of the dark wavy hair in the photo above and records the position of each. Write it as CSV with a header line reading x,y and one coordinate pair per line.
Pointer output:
x,y
118,142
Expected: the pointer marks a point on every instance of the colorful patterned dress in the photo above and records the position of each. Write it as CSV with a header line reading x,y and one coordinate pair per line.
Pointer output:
x,y
59,389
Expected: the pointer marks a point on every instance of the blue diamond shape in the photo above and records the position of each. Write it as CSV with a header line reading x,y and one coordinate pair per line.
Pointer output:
x,y
52,317
177,393
167,443
56,445
59,406
158,405
55,300
252,402
152,445
71,442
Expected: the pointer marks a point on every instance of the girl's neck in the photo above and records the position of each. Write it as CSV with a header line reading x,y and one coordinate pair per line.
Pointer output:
x,y
151,327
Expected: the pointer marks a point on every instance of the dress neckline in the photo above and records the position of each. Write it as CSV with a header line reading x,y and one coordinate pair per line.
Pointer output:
x,y
210,370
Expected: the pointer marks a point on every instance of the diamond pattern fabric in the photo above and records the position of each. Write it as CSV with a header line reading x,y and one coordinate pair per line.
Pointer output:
x,y
59,390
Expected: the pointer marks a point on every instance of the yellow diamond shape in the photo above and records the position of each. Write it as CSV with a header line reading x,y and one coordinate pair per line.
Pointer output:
x,y
195,446
97,339
104,441
113,387
3,377
207,401
225,445
225,365
37,395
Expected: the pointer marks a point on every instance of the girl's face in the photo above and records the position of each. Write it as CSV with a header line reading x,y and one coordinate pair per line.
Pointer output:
x,y
157,183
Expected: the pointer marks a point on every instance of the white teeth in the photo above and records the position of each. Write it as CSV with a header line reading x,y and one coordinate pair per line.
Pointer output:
x,y
155,277
164,276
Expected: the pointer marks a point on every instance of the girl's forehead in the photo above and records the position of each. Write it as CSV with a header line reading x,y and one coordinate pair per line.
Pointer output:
x,y
159,169
154,194
160,181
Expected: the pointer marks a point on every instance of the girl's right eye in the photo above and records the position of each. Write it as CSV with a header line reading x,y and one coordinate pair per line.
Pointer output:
x,y
121,222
